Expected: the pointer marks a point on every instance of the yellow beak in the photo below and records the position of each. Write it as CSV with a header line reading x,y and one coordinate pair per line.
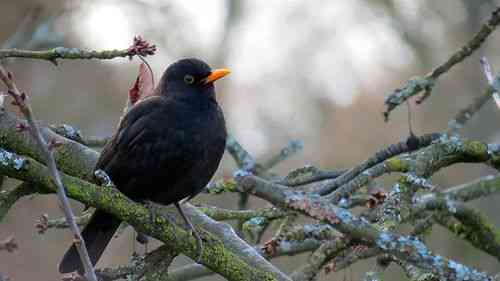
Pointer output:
x,y
216,75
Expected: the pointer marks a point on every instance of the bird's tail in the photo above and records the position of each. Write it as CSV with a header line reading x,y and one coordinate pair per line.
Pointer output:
x,y
96,234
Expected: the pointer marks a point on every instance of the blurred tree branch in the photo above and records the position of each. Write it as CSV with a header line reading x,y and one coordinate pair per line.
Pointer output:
x,y
425,83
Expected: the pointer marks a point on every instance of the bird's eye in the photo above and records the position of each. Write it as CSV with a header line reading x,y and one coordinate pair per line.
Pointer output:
x,y
189,79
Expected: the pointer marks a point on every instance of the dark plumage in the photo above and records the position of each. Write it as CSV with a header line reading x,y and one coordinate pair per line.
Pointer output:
x,y
167,148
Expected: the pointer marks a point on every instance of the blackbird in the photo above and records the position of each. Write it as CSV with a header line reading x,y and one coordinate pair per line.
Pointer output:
x,y
167,148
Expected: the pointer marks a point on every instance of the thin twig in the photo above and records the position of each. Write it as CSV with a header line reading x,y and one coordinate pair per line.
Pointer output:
x,y
73,133
425,83
22,101
329,186
293,147
308,174
494,83
243,159
44,223
466,114
140,47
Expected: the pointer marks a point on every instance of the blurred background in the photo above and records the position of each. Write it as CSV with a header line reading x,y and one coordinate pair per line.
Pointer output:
x,y
317,71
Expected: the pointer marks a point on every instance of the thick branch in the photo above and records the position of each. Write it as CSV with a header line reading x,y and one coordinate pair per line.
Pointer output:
x,y
72,157
215,254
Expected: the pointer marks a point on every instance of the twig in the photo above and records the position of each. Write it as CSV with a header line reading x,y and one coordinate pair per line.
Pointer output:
x,y
73,133
140,47
352,255
22,101
473,226
318,259
493,82
44,223
478,188
286,152
151,267
320,232
395,149
243,159
285,226
426,83
308,174
466,114
219,214
403,247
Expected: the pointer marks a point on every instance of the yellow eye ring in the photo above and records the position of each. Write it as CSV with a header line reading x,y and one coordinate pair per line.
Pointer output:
x,y
189,79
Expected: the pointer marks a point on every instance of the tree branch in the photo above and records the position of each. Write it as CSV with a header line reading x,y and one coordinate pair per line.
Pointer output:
x,y
426,83
215,256
472,225
139,47
406,248
465,114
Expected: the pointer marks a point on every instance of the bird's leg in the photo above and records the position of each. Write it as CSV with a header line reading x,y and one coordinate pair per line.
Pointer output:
x,y
193,230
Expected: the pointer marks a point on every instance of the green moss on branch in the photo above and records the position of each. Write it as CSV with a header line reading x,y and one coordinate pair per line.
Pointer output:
x,y
215,255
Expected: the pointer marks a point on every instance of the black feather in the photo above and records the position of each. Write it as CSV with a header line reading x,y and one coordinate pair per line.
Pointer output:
x,y
167,148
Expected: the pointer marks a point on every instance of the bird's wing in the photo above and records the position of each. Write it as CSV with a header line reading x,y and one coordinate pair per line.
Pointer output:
x,y
128,129
150,144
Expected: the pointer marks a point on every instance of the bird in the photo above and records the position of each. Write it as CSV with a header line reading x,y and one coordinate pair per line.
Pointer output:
x,y
167,148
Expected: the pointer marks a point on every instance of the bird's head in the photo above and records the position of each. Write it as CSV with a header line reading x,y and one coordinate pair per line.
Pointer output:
x,y
190,78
